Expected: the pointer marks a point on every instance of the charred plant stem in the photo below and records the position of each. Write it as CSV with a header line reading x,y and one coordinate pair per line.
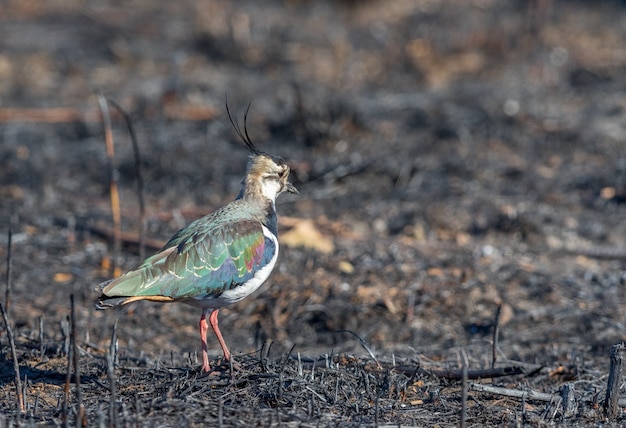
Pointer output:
x,y
7,297
463,423
281,372
42,350
113,188
66,389
496,333
452,374
16,368
113,344
139,175
363,344
111,374
80,411
611,406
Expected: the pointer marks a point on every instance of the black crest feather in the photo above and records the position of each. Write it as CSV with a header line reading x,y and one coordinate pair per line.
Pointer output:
x,y
243,135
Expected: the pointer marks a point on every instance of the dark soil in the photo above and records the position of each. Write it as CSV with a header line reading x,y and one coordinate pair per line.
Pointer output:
x,y
452,158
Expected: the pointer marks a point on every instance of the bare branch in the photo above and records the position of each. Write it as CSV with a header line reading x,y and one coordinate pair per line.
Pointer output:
x,y
139,175
517,393
458,374
16,367
496,333
113,188
81,420
464,392
7,298
363,344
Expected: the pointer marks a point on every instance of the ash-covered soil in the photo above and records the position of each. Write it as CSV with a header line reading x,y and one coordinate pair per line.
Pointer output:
x,y
452,157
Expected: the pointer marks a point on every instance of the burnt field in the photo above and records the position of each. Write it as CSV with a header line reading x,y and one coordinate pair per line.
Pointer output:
x,y
462,177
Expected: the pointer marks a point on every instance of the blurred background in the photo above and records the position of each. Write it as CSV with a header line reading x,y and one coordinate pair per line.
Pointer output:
x,y
452,157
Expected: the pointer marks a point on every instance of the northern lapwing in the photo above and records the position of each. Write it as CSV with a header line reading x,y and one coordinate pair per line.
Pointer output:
x,y
216,260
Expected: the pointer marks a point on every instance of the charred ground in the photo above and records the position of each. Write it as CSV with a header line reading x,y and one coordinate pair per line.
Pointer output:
x,y
452,158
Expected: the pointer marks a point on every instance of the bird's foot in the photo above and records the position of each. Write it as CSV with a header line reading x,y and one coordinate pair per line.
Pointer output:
x,y
228,363
223,367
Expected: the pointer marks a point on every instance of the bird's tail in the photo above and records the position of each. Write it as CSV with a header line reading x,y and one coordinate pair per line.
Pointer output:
x,y
106,302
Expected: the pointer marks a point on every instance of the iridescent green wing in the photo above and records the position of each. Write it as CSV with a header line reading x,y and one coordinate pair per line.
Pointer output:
x,y
200,261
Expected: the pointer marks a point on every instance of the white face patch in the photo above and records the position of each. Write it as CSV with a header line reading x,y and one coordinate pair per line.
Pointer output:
x,y
270,188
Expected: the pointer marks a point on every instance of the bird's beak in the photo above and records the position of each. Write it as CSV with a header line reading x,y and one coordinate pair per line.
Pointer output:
x,y
291,188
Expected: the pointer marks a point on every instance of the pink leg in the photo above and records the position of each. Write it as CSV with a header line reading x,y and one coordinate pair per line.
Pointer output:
x,y
216,330
204,327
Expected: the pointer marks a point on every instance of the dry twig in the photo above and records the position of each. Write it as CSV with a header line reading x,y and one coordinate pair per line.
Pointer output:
x,y
16,367
496,333
139,175
516,393
113,188
7,297
457,375
66,391
464,392
111,374
7,324
186,112
363,344
42,349
45,115
81,419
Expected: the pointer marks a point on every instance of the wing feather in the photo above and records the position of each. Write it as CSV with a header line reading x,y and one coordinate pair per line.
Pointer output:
x,y
198,263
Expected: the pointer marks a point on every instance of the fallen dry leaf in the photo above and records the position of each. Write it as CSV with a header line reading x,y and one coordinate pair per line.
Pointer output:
x,y
346,267
62,276
305,234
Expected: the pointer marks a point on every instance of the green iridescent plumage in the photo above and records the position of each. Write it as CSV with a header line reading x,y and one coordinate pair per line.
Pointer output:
x,y
211,255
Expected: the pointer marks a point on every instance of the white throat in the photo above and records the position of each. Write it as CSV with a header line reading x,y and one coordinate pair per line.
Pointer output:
x,y
270,189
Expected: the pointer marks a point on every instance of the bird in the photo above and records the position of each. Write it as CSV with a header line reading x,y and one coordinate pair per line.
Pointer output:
x,y
216,260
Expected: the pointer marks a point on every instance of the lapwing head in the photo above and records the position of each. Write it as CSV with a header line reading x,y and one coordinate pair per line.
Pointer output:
x,y
267,175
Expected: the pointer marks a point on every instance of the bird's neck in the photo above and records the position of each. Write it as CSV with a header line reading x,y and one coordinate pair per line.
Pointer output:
x,y
271,221
261,204
253,191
